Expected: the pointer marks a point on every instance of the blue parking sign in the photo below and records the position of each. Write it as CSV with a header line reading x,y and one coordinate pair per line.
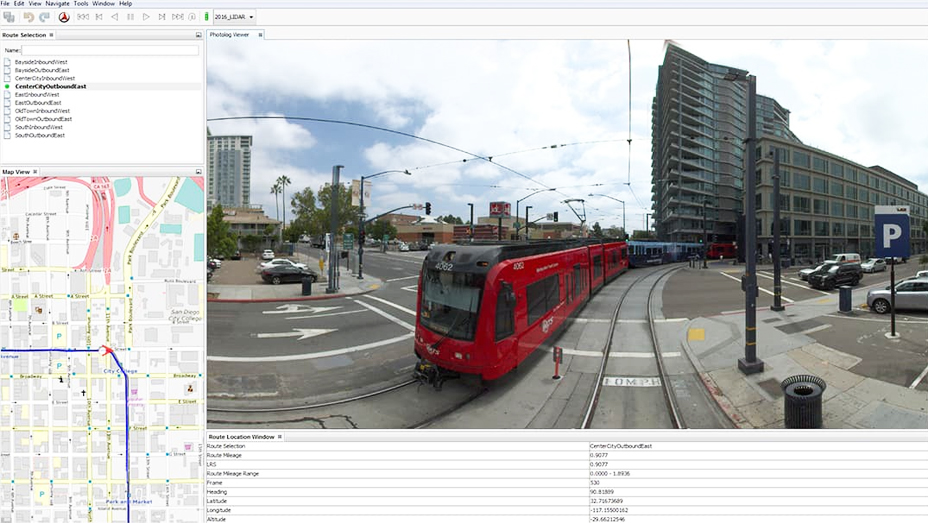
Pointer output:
x,y
892,230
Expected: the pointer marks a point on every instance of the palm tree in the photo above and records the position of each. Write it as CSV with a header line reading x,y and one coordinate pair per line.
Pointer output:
x,y
283,181
275,190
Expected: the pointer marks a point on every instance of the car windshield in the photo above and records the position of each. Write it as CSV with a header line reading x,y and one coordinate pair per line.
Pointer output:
x,y
450,302
834,269
873,260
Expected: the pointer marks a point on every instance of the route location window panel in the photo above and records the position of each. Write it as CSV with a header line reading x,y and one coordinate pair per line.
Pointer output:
x,y
90,96
102,357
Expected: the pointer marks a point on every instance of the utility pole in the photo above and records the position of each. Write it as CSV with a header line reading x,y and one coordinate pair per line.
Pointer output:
x,y
527,232
705,235
333,230
777,282
471,221
750,364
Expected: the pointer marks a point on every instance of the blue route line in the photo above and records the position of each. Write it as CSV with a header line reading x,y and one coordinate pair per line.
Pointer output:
x,y
125,382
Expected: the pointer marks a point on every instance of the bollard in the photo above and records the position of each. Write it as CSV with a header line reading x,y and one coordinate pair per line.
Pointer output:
x,y
802,401
844,299
558,358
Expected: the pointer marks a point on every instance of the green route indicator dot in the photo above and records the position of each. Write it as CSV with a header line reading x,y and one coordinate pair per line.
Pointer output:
x,y
7,86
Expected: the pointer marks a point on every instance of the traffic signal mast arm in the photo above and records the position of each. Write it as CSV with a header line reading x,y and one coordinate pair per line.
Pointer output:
x,y
375,218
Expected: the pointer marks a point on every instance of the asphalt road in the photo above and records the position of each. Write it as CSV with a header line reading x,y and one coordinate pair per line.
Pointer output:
x,y
320,350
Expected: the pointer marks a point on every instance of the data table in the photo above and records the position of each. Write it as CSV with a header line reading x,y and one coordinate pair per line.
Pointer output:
x,y
736,476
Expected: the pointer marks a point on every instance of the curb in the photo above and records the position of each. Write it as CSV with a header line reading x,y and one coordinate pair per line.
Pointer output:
x,y
711,387
296,298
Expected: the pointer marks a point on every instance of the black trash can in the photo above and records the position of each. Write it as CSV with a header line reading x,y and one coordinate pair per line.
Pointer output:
x,y
307,285
802,401
844,298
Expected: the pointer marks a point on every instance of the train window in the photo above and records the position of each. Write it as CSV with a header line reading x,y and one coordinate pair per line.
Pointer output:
x,y
450,303
567,286
535,301
597,266
578,280
505,309
542,296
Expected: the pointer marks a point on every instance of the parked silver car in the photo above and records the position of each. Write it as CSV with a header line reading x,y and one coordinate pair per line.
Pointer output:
x,y
874,265
910,294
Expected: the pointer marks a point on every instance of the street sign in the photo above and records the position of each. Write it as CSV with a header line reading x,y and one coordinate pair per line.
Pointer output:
x,y
348,241
892,230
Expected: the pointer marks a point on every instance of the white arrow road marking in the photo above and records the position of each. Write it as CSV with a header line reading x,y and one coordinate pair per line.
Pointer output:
x,y
291,308
411,288
324,315
311,356
302,333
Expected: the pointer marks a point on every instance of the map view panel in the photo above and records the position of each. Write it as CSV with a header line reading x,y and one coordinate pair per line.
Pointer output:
x,y
102,396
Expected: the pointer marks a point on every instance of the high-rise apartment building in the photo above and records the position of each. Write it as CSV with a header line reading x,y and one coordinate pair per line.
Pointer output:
x,y
699,124
229,180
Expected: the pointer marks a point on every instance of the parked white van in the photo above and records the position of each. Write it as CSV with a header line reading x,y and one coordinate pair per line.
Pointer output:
x,y
846,257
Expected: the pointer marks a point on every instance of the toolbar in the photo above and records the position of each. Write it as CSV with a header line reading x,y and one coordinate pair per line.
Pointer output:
x,y
122,17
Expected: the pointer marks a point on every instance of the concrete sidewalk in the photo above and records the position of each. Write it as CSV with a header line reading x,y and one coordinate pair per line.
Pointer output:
x,y
347,285
850,400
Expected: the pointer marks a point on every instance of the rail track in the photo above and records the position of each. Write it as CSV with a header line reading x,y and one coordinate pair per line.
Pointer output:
x,y
651,279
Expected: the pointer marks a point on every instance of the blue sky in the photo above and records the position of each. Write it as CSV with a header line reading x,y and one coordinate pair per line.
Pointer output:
x,y
861,100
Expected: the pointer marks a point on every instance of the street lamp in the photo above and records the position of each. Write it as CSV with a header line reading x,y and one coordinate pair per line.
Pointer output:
x,y
777,282
527,234
624,230
705,235
749,364
361,219
472,221
519,200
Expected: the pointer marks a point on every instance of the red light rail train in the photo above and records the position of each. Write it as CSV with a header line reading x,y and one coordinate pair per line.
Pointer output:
x,y
483,308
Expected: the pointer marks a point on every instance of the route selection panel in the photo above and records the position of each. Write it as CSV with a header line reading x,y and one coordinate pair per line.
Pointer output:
x,y
102,354
76,97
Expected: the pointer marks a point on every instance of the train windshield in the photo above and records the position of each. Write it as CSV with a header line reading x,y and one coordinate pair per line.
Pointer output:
x,y
450,303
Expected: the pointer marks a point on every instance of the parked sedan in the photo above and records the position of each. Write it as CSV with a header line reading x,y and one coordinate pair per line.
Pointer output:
x,y
873,265
910,294
267,254
837,274
804,273
281,261
286,274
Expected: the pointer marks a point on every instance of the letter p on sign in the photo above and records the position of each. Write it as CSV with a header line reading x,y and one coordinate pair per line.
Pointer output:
x,y
891,232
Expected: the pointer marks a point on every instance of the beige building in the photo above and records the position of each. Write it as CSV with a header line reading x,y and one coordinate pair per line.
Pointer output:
x,y
827,202
249,220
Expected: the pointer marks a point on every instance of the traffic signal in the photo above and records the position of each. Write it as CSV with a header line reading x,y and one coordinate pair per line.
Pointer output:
x,y
428,208
361,237
555,215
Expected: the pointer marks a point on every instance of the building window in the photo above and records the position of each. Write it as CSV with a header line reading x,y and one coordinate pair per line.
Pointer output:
x,y
820,207
803,227
837,169
784,177
837,229
864,231
820,185
819,165
850,174
864,179
800,159
837,209
784,202
821,228
864,195
837,189
802,181
851,211
851,192
852,230
801,204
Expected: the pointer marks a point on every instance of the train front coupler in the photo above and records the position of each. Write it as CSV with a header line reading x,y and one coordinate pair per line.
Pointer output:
x,y
427,373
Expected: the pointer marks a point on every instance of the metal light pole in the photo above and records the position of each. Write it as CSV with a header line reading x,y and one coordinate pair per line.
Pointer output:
x,y
750,364
527,236
527,197
471,221
705,235
777,282
333,230
647,230
361,220
623,209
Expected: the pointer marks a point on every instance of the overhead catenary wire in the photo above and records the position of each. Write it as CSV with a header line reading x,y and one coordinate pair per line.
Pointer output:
x,y
377,128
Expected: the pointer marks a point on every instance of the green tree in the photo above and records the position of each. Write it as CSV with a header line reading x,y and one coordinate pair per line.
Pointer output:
x,y
347,214
615,232
452,219
641,235
378,229
219,239
597,230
